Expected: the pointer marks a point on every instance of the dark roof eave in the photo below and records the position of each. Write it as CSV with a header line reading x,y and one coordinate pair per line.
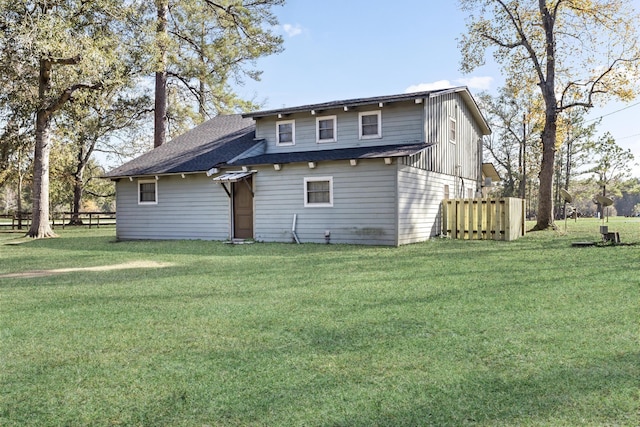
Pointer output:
x,y
150,175
360,153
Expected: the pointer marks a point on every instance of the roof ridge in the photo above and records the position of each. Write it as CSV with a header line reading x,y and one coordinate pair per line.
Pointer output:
x,y
356,101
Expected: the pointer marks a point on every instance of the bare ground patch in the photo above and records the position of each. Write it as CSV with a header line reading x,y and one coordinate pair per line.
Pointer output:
x,y
123,266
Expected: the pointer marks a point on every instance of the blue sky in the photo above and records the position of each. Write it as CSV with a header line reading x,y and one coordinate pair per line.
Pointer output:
x,y
342,49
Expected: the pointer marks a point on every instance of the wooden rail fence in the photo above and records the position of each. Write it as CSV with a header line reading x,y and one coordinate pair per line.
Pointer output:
x,y
484,219
21,220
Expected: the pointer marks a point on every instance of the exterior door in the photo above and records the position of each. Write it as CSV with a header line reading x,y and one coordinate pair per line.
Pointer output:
x,y
243,209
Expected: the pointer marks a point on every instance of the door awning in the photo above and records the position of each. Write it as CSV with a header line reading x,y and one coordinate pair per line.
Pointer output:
x,y
233,176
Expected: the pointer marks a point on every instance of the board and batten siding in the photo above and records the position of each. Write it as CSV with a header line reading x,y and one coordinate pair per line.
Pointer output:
x,y
420,195
401,124
193,207
461,158
363,211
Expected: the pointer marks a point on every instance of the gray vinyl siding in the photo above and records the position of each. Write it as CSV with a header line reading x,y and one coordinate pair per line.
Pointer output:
x,y
364,204
401,124
420,194
193,207
462,158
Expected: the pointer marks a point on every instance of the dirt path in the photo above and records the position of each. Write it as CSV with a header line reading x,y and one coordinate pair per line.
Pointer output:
x,y
123,266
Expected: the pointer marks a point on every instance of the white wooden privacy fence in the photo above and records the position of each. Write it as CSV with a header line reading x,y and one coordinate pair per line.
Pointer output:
x,y
483,219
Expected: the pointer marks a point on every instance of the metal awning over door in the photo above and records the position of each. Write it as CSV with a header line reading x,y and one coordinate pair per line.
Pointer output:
x,y
234,176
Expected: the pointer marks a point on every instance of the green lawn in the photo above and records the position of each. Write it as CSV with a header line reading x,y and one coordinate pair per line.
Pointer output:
x,y
531,332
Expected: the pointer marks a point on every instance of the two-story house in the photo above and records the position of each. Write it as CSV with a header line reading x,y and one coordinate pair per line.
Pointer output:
x,y
366,171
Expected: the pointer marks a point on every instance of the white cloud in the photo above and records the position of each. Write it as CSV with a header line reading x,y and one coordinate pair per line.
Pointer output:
x,y
480,83
292,30
423,87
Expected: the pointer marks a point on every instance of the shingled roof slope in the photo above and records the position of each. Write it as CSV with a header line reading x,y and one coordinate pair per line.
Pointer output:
x,y
213,142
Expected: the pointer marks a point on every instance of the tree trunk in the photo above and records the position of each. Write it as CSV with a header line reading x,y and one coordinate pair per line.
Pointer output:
x,y
160,113
20,184
522,159
201,102
78,188
40,227
547,86
545,201
601,206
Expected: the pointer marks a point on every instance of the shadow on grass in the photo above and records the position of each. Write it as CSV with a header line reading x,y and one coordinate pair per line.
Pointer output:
x,y
585,391
262,389
577,391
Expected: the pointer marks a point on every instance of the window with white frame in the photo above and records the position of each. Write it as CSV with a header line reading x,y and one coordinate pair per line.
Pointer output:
x,y
326,129
147,192
318,191
370,124
452,130
286,132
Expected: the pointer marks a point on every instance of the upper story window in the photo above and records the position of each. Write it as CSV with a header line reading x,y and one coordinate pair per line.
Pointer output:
x,y
326,129
452,130
286,132
370,124
147,192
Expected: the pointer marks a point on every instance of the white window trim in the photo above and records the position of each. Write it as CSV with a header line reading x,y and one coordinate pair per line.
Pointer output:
x,y
451,121
316,179
148,181
370,113
293,132
335,129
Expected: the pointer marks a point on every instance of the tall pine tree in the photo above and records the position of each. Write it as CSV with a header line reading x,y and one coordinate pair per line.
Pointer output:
x,y
202,48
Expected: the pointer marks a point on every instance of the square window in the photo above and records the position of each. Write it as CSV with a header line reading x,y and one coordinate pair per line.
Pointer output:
x,y
370,125
147,192
318,192
285,132
326,129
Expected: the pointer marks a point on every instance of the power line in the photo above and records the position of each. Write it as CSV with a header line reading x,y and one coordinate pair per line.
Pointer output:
x,y
613,112
630,136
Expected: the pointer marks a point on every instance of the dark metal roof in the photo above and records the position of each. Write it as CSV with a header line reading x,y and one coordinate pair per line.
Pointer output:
x,y
215,141
350,103
338,154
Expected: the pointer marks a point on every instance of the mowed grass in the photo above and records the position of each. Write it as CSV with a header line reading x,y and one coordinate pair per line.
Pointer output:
x,y
531,332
